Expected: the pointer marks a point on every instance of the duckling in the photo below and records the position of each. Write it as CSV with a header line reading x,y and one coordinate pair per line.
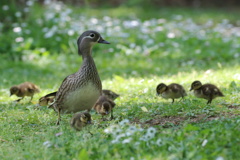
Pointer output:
x,y
80,120
172,91
47,99
206,91
110,94
24,89
104,105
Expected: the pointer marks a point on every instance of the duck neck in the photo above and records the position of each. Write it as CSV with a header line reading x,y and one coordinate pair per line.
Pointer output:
x,y
88,62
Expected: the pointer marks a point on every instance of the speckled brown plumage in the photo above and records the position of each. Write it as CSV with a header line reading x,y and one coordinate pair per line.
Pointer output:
x,y
171,91
80,91
80,120
47,99
206,91
104,106
24,89
110,94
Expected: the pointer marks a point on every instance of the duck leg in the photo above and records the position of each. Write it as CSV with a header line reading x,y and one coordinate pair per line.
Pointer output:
x,y
172,101
31,99
59,117
111,118
209,101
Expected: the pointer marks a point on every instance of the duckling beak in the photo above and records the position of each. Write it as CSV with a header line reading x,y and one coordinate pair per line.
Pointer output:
x,y
103,41
191,89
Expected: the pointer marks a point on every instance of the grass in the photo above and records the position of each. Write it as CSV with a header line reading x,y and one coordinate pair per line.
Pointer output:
x,y
165,45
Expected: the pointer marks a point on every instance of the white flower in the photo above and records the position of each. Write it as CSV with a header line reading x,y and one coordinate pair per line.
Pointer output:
x,y
171,35
159,142
71,32
29,3
19,39
219,158
18,14
47,144
17,29
5,7
151,131
128,140
204,142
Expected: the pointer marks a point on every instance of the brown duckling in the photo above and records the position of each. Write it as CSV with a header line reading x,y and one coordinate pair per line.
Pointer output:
x,y
104,106
80,120
47,99
24,89
206,91
110,94
172,91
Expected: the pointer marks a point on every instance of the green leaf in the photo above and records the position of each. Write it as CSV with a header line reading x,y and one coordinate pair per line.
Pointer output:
x,y
83,155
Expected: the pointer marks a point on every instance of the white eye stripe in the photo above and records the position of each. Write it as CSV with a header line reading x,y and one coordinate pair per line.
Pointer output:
x,y
98,39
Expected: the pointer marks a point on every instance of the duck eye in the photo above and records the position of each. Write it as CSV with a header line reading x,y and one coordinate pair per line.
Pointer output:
x,y
92,35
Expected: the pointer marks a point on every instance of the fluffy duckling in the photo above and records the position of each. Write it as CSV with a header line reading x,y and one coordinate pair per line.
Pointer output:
x,y
110,94
104,106
24,89
206,91
47,99
172,91
80,120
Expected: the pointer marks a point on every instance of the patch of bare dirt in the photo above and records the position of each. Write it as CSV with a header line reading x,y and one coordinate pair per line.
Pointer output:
x,y
170,121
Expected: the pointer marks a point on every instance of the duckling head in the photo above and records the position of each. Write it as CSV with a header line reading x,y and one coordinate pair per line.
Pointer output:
x,y
105,108
88,39
161,88
195,85
14,90
86,118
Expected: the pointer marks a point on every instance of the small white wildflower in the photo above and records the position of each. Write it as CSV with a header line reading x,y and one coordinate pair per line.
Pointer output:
x,y
18,14
128,140
131,130
117,132
171,35
47,144
19,39
108,130
17,29
71,32
29,3
5,7
159,142
204,142
219,158
151,131
26,9
145,90
124,122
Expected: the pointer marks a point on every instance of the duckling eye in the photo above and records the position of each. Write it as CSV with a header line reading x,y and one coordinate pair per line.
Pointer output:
x,y
92,35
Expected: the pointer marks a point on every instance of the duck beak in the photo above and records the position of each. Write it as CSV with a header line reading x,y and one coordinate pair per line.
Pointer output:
x,y
103,41
191,89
